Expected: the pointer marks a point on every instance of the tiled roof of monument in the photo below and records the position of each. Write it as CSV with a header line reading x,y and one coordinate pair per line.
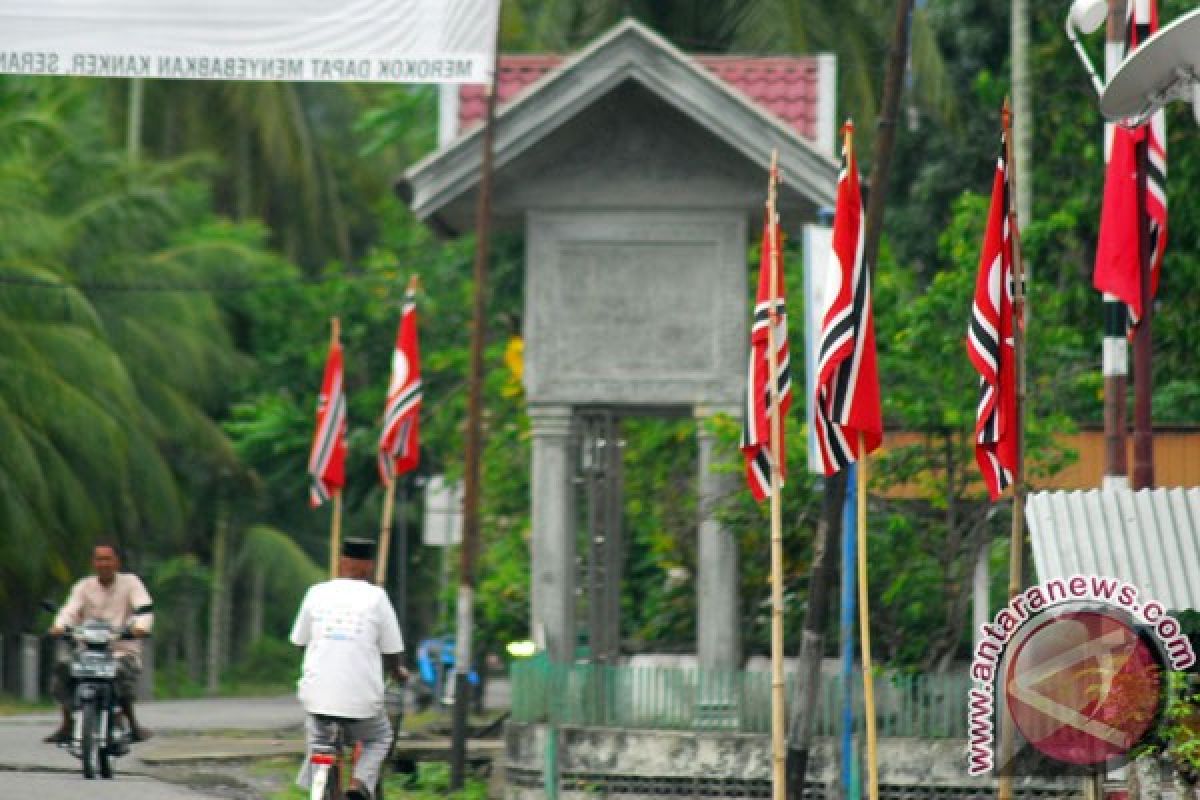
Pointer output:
x,y
784,86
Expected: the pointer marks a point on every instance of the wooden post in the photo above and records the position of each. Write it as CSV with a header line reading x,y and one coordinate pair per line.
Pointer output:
x,y
473,446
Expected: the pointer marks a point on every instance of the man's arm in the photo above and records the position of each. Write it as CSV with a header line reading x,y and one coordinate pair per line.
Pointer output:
x,y
142,607
71,613
301,633
394,666
391,643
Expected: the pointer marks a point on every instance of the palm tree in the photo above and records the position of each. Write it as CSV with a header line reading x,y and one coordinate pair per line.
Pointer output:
x,y
860,35
109,395
282,148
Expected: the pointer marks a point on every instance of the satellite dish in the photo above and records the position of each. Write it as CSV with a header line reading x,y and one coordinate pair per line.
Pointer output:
x,y
1164,68
1087,15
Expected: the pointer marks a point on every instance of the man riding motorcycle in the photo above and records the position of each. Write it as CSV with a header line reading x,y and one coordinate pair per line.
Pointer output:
x,y
118,598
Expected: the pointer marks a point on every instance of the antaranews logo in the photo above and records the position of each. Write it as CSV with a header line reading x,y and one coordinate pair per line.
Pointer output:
x,y
1070,673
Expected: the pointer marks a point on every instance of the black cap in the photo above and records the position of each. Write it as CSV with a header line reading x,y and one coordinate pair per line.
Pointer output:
x,y
361,549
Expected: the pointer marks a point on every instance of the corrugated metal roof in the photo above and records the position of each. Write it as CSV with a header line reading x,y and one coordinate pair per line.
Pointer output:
x,y
1150,538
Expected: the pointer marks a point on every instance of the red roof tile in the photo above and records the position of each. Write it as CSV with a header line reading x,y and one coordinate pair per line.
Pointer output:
x,y
784,86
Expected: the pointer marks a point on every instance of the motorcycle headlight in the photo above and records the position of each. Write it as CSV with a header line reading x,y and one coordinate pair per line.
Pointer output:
x,y
94,636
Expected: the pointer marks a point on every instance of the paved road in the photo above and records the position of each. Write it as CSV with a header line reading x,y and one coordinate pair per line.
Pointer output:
x,y
49,786
29,768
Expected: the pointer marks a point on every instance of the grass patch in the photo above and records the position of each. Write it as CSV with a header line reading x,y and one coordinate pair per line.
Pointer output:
x,y
432,783
173,683
10,706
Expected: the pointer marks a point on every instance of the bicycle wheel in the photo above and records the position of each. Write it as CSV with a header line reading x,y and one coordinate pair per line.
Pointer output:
x,y
333,789
88,750
326,780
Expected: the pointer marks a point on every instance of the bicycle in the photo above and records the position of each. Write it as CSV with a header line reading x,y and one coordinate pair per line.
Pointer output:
x,y
329,768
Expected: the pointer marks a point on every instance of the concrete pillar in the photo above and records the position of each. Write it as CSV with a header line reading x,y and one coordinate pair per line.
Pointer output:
x,y
552,567
30,691
718,639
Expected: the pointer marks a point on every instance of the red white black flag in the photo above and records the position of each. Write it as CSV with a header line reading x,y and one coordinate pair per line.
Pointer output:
x,y
991,346
847,388
327,461
756,427
1118,270
399,444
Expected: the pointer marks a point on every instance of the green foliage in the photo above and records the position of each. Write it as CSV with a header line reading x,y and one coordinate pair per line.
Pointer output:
x,y
269,662
259,211
110,393
432,783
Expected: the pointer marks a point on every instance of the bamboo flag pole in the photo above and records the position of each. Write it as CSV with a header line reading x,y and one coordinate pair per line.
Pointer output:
x,y
385,533
335,526
389,498
1016,552
778,745
864,623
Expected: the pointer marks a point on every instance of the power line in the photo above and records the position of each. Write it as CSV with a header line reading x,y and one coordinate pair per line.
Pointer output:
x,y
208,288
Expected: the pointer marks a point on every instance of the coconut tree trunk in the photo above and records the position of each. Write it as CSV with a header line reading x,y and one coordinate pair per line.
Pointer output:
x,y
193,651
244,177
258,590
217,599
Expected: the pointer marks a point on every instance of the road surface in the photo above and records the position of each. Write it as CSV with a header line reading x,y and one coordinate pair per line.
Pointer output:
x,y
29,768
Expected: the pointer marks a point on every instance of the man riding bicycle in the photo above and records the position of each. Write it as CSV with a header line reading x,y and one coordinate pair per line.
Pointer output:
x,y
350,634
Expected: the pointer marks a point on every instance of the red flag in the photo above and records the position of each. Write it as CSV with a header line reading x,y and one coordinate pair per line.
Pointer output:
x,y
327,461
756,427
847,388
399,444
1118,270
990,344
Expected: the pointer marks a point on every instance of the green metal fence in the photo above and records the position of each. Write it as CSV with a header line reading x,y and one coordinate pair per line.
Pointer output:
x,y
928,706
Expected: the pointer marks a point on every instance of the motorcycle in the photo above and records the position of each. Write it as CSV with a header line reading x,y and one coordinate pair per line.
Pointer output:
x,y
101,731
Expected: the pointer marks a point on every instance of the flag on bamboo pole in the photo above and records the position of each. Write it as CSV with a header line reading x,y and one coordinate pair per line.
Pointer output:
x,y
991,346
399,444
327,461
847,387
756,427
1118,269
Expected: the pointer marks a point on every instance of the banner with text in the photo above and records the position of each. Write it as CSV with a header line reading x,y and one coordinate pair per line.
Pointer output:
x,y
380,41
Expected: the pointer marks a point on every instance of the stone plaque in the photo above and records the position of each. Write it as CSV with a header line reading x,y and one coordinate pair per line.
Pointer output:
x,y
636,308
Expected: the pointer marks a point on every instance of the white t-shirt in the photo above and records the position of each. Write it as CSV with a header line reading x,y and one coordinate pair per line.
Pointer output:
x,y
345,626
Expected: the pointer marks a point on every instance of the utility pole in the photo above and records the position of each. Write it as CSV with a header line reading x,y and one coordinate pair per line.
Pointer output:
x,y
829,527
468,551
1115,364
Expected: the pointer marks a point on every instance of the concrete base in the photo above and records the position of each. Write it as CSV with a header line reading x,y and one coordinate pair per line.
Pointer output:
x,y
640,765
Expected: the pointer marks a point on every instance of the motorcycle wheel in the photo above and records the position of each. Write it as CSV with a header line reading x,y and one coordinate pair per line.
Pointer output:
x,y
88,746
103,753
